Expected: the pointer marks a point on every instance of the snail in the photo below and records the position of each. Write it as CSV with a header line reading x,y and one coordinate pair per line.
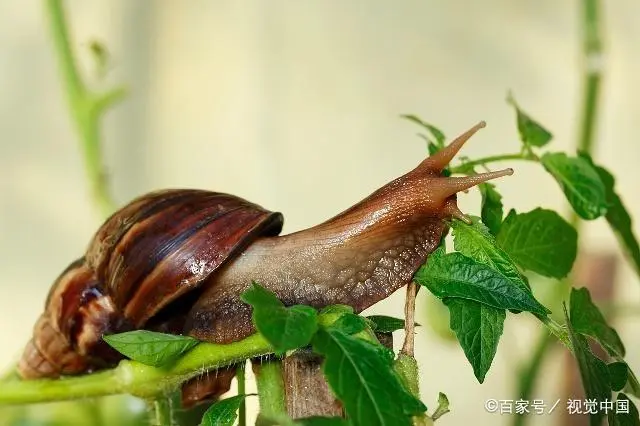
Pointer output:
x,y
177,261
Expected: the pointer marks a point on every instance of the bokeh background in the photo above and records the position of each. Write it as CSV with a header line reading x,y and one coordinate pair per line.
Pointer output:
x,y
295,105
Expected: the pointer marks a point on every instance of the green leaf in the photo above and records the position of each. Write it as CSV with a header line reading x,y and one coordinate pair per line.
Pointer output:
x,y
540,241
491,211
150,347
455,275
478,328
580,183
434,131
618,373
386,324
531,132
350,323
618,217
593,371
361,375
587,320
633,386
476,242
629,418
223,413
443,407
284,328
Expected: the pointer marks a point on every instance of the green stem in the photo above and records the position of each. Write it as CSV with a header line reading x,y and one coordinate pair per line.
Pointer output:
x,y
133,377
592,52
242,390
463,168
138,379
271,388
407,368
86,107
163,411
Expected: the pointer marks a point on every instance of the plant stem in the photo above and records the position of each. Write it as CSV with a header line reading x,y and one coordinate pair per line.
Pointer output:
x,y
86,107
133,377
242,384
592,53
141,380
271,388
463,168
163,411
409,319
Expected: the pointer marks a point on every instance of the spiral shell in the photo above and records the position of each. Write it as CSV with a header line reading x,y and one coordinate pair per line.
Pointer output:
x,y
140,264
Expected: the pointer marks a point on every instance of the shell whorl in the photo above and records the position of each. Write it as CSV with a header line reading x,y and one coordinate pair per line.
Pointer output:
x,y
152,252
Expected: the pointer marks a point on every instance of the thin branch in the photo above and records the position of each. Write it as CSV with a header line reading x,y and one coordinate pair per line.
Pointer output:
x,y
409,319
464,167
86,107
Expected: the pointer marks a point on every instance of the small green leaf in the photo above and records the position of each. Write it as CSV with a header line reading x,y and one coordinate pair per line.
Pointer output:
x,y
531,132
587,320
443,407
350,324
628,417
386,324
362,377
618,217
150,347
223,413
455,275
580,183
478,328
284,328
476,242
491,211
594,372
540,241
618,373
434,131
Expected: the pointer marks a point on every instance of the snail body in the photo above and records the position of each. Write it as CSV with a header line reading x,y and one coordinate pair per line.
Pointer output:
x,y
178,260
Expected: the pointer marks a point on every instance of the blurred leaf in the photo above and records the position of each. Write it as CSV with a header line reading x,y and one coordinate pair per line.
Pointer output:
x,y
580,183
455,275
436,133
150,347
618,217
540,241
478,328
587,320
618,372
629,418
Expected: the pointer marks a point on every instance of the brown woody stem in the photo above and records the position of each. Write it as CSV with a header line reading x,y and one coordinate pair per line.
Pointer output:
x,y
409,319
